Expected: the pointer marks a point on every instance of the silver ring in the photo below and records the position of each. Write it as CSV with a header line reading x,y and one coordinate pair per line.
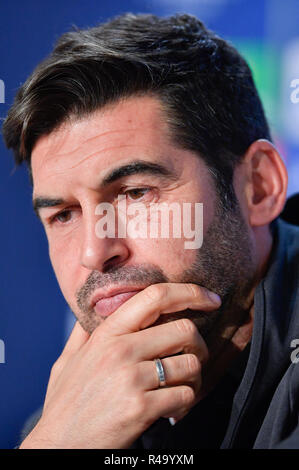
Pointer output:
x,y
160,372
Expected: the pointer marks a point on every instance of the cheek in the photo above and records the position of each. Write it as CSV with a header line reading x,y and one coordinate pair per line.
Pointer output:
x,y
67,270
176,250
167,254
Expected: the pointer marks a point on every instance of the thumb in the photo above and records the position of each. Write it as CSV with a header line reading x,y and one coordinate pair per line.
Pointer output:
x,y
77,338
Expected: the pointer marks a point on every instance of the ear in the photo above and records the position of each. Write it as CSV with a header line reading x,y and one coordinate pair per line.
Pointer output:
x,y
266,182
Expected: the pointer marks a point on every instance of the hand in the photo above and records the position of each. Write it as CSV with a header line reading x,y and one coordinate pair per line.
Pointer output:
x,y
104,390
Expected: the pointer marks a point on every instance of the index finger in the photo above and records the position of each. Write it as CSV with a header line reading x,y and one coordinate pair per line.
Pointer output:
x,y
145,307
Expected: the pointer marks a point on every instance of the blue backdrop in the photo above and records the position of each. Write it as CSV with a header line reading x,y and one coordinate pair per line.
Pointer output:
x,y
34,319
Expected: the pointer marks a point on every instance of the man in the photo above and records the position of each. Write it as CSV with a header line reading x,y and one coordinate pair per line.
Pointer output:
x,y
161,111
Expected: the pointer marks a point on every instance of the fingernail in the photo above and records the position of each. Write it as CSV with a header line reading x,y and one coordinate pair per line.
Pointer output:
x,y
215,298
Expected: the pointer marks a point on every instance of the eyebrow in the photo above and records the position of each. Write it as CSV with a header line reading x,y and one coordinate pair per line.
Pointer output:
x,y
133,168
138,167
41,202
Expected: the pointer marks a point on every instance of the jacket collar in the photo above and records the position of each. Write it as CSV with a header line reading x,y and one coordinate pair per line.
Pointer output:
x,y
276,323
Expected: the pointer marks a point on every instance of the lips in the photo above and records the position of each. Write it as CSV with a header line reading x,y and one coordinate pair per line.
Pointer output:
x,y
107,305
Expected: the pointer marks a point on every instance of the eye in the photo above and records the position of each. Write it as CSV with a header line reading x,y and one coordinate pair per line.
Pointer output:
x,y
62,217
136,193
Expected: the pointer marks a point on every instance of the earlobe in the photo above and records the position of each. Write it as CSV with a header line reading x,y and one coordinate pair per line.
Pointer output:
x,y
268,179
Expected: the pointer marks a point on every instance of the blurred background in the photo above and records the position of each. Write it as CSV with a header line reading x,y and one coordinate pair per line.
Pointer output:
x,y
34,318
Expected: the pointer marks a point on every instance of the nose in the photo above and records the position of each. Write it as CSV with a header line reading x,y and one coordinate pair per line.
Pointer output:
x,y
98,252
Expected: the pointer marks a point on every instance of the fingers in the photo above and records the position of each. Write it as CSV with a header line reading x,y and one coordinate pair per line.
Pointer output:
x,y
169,402
169,338
178,370
144,308
76,339
183,382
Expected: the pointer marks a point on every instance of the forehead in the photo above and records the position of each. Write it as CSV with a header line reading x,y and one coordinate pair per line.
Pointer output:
x,y
80,153
129,123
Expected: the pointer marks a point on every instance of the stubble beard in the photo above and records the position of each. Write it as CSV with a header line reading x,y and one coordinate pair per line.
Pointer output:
x,y
224,264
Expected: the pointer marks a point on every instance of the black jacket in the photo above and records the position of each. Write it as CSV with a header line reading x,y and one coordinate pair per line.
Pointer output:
x,y
256,405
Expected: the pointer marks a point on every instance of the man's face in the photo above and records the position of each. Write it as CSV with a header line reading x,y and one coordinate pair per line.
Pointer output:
x,y
126,150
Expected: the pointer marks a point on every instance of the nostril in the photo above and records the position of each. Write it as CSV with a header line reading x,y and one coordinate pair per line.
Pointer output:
x,y
111,263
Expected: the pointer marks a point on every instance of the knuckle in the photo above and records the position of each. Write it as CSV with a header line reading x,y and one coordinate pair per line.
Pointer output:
x,y
117,351
193,363
57,367
123,349
155,292
138,408
120,350
188,395
195,290
133,376
186,326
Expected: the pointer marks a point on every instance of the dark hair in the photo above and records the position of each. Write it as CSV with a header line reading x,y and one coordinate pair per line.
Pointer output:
x,y
205,87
